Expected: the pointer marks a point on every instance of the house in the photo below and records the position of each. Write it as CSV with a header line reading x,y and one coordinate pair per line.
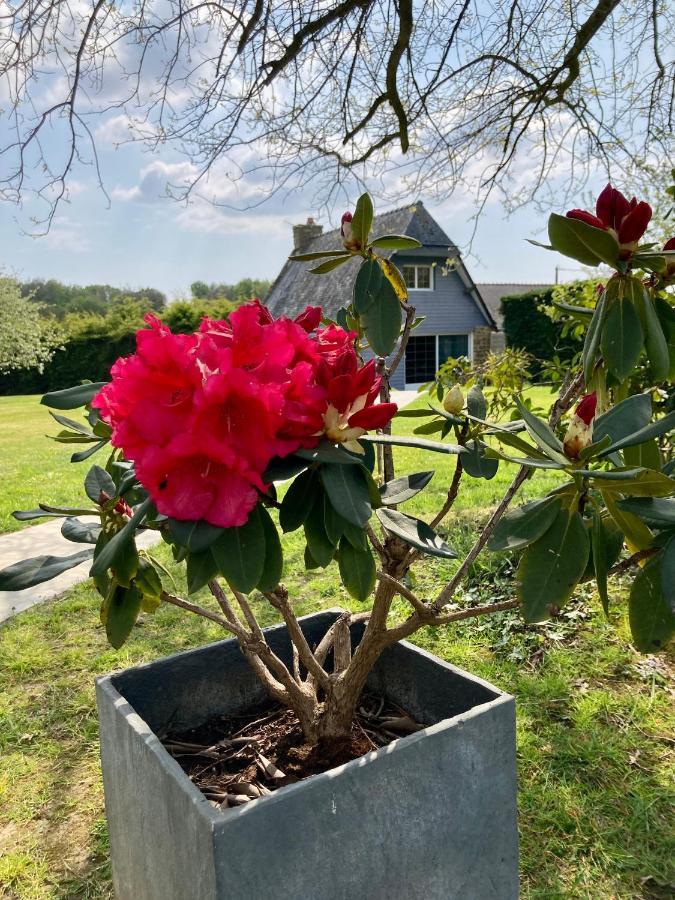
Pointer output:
x,y
457,321
493,293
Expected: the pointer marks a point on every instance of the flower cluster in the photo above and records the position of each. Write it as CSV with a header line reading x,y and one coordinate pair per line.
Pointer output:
x,y
626,219
202,415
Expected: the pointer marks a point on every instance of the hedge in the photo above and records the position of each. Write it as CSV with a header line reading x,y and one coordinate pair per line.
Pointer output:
x,y
530,329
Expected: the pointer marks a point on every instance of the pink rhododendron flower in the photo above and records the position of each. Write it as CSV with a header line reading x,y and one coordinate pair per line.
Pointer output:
x,y
579,433
202,415
626,220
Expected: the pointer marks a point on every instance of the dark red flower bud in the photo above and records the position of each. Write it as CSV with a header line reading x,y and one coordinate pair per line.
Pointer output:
x,y
586,217
586,408
600,290
634,225
123,508
373,416
669,245
309,319
611,207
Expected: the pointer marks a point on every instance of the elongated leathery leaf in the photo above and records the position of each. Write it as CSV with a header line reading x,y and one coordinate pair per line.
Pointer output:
x,y
357,570
201,568
80,532
656,344
523,526
599,554
274,558
196,535
367,286
550,568
320,545
74,397
348,492
415,532
658,512
120,613
627,417
592,339
299,499
668,573
586,244
655,429
401,489
622,338
97,481
382,320
239,553
29,572
117,545
652,622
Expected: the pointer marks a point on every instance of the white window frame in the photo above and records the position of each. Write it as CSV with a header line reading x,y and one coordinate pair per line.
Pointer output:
x,y
411,385
415,266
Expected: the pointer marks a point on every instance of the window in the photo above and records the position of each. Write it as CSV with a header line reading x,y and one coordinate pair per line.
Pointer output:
x,y
452,345
420,359
418,278
425,354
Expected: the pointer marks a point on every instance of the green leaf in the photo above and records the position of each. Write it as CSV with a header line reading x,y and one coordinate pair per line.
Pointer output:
x,y
147,580
330,264
512,440
652,623
80,532
525,525
476,464
125,565
284,468
117,545
81,455
382,320
121,612
415,532
25,515
586,244
274,558
298,501
200,569
395,242
362,221
97,482
67,510
397,440
599,554
656,512
655,429
636,482
401,489
330,453
627,417
29,572
542,434
592,339
585,313
622,338
320,254
367,286
656,344
320,545
668,574
595,448
357,570
434,427
646,455
532,462
196,535
239,553
476,404
80,427
408,413
348,492
73,397
550,568
636,532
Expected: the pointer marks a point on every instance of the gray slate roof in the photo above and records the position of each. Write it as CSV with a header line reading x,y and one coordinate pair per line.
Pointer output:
x,y
492,295
296,287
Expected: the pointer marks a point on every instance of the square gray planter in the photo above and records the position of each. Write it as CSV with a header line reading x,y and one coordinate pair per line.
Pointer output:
x,y
432,815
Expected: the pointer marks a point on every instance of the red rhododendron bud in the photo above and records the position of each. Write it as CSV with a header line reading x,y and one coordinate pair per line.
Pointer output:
x,y
669,245
348,238
202,415
579,433
626,220
122,508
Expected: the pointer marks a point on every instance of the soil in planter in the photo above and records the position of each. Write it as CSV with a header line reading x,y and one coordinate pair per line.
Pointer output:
x,y
234,759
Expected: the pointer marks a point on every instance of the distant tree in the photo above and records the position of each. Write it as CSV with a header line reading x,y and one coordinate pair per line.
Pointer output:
x,y
27,338
62,299
199,290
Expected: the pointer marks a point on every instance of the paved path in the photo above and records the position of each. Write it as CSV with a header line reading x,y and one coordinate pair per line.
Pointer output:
x,y
46,540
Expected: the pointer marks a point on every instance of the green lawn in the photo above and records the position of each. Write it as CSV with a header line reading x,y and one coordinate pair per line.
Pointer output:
x,y
32,467
595,722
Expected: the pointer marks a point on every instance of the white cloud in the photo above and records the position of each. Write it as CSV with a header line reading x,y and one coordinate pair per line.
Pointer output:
x,y
67,235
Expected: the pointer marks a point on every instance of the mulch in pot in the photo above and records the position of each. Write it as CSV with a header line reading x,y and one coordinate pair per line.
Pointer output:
x,y
235,759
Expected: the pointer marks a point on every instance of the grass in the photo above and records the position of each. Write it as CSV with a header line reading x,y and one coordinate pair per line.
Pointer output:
x,y
595,722
32,467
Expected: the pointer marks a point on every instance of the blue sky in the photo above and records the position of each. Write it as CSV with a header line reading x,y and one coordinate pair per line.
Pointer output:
x,y
144,238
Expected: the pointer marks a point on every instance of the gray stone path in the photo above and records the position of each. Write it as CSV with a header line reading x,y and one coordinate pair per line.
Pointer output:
x,y
46,540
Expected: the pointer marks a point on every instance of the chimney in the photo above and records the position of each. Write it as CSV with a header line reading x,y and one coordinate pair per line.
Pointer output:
x,y
303,235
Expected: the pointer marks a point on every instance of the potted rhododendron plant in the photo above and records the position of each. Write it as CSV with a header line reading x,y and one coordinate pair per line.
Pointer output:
x,y
327,757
